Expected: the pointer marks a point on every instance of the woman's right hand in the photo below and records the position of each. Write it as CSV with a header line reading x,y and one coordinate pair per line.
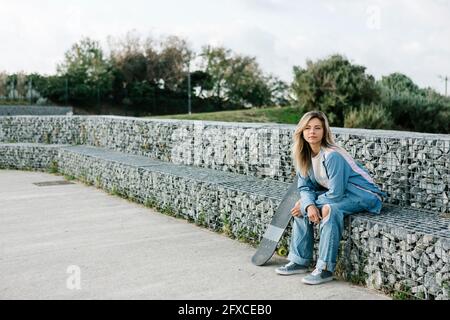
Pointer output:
x,y
295,211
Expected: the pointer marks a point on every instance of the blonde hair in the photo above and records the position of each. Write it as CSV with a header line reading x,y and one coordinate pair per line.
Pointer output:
x,y
301,151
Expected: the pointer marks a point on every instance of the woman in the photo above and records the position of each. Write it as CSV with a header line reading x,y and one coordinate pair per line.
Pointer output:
x,y
331,187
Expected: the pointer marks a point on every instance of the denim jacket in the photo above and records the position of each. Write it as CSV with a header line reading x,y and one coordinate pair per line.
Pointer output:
x,y
346,179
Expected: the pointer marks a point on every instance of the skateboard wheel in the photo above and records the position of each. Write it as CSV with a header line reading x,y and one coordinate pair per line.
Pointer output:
x,y
282,251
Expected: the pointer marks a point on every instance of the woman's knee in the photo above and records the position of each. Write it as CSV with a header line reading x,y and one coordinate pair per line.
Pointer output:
x,y
326,211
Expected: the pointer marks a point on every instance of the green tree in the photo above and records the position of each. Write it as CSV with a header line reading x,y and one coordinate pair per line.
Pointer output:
x,y
128,56
201,82
333,85
130,66
89,74
3,85
426,111
40,87
173,60
413,108
399,82
149,73
279,91
245,82
54,88
235,79
21,85
216,62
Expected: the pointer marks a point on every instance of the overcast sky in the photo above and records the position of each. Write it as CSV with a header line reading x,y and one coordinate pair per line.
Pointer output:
x,y
407,36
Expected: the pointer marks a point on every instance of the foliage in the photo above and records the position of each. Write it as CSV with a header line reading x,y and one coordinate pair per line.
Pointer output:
x,y
88,73
399,82
226,224
149,74
16,87
151,202
404,293
425,111
3,84
369,117
333,85
53,167
150,77
201,219
237,79
173,59
279,91
54,88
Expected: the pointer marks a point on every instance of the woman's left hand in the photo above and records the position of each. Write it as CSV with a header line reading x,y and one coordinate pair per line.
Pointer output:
x,y
313,214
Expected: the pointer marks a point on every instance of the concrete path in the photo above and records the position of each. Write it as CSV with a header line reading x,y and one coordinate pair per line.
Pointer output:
x,y
77,242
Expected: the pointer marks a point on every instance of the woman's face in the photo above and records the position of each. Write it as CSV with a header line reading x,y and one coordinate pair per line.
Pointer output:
x,y
313,132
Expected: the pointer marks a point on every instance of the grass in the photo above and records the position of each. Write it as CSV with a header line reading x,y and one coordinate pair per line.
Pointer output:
x,y
403,294
289,115
226,224
201,219
69,177
15,102
53,168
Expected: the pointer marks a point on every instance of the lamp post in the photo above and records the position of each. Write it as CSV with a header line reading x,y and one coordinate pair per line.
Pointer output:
x,y
30,86
189,86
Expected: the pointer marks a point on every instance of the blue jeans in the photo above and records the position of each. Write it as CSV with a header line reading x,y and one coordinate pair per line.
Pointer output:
x,y
330,229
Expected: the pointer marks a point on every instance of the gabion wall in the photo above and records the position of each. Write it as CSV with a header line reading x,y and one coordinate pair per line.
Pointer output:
x,y
402,251
34,110
383,254
28,156
208,198
413,168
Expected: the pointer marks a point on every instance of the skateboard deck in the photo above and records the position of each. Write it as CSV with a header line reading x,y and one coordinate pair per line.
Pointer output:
x,y
275,230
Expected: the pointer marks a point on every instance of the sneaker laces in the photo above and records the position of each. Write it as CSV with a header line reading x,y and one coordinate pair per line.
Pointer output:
x,y
289,265
316,272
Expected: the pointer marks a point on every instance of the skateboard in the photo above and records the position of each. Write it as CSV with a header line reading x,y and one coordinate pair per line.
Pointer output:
x,y
275,230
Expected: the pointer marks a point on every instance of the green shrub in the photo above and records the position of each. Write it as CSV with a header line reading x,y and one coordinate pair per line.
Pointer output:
x,y
201,219
369,117
168,210
53,168
333,85
226,224
404,293
151,202
426,111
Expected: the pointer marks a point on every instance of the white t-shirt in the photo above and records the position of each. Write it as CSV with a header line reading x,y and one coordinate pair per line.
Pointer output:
x,y
319,170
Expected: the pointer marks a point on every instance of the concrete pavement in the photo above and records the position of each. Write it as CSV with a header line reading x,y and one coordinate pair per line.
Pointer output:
x,y
78,242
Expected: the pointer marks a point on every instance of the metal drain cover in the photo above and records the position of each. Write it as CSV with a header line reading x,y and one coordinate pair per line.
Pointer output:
x,y
52,183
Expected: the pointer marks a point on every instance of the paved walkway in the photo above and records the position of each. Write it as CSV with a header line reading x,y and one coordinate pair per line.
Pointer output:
x,y
77,242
